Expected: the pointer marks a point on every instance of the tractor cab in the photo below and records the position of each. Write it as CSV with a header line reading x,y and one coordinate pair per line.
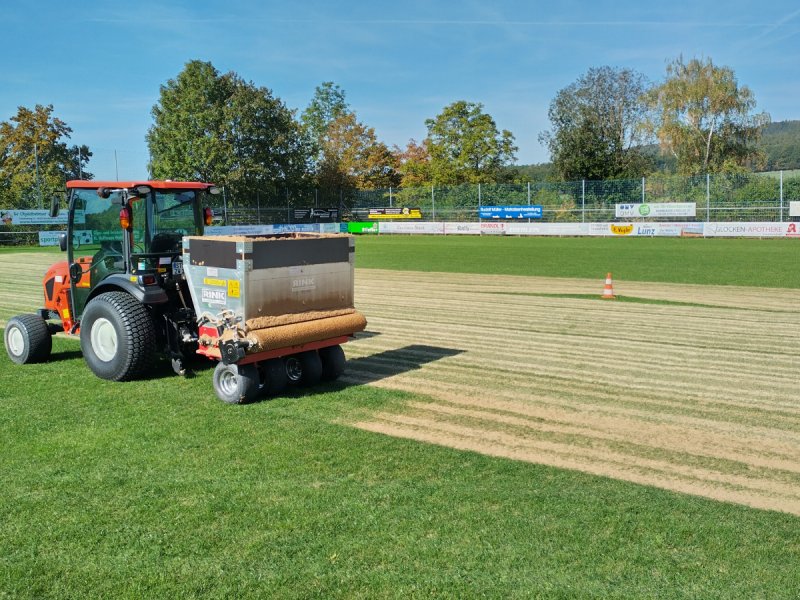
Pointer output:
x,y
127,236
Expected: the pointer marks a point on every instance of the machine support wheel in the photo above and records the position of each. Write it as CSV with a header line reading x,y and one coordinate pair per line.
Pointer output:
x,y
333,362
236,384
28,339
273,377
118,337
304,369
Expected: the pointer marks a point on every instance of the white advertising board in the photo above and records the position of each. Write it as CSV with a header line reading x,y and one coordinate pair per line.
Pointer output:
x,y
462,228
744,229
492,228
38,217
411,227
794,208
547,229
655,209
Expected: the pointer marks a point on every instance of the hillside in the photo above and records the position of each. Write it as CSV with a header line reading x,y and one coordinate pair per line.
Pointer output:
x,y
781,143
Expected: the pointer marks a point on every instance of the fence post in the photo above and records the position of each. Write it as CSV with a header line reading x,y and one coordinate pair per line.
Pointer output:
x,y
781,195
583,201
258,206
642,190
225,204
529,195
708,197
288,218
479,195
433,204
390,196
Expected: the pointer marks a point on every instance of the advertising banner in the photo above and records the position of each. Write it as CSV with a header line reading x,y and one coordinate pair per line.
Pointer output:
x,y
491,228
376,214
328,215
362,227
656,209
743,229
462,228
794,208
510,212
424,228
38,217
547,229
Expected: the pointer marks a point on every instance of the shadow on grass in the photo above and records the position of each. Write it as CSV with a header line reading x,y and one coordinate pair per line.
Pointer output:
x,y
375,367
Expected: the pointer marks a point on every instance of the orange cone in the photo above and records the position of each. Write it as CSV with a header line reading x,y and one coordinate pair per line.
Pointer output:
x,y
608,290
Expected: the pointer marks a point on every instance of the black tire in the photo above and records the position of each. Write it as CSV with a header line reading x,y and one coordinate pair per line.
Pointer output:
x,y
118,337
333,362
27,339
304,369
236,384
273,377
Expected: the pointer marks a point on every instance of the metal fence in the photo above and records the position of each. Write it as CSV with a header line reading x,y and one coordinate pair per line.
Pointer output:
x,y
746,197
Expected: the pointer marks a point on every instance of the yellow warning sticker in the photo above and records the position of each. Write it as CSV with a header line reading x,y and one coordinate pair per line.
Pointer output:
x,y
233,288
216,282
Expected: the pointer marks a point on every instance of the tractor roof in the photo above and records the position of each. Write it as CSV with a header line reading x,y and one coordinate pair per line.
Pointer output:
x,y
159,185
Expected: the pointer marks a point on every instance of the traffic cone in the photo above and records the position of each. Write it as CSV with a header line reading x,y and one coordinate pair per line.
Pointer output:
x,y
608,290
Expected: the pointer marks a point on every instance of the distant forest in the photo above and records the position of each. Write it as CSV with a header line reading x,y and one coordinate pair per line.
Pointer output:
x,y
780,141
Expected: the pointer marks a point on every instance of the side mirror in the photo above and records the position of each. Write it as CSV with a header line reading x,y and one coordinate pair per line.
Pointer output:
x,y
62,242
55,206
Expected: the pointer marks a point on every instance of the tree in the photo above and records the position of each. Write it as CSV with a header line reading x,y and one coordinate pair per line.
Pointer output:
x,y
414,164
353,158
466,147
217,127
703,118
327,105
31,141
598,126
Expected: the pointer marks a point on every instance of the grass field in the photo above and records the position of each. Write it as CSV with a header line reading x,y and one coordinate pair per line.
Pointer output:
x,y
500,435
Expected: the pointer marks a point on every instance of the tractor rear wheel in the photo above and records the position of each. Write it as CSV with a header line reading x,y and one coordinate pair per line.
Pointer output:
x,y
118,337
28,339
333,362
236,384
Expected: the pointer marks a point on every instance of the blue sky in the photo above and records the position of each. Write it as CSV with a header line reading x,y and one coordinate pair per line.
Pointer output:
x,y
101,63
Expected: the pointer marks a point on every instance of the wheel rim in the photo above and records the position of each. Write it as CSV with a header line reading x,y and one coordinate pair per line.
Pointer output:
x,y
15,341
294,370
228,383
104,339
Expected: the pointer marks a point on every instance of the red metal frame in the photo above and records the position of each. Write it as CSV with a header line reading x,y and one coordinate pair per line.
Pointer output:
x,y
212,350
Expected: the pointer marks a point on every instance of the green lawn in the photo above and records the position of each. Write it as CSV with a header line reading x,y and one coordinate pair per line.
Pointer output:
x,y
156,489
750,262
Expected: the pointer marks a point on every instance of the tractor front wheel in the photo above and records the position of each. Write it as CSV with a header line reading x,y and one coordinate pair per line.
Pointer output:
x,y
118,337
28,339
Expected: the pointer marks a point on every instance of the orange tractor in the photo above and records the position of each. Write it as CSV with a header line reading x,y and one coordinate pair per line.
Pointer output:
x,y
141,280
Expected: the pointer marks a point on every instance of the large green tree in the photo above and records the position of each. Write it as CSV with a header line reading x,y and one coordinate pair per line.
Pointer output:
x,y
35,158
598,126
465,146
327,105
705,119
217,127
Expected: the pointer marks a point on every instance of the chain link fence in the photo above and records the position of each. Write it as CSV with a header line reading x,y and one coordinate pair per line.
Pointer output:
x,y
745,197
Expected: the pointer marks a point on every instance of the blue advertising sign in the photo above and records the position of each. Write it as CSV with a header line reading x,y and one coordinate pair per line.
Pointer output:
x,y
510,212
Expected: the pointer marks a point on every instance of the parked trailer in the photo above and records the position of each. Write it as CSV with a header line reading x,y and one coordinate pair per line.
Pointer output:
x,y
140,280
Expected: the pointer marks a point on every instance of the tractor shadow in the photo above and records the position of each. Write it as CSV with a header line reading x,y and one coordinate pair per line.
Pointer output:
x,y
382,365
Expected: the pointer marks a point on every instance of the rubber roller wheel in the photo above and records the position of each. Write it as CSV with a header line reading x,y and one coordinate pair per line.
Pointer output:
x,y
27,339
236,384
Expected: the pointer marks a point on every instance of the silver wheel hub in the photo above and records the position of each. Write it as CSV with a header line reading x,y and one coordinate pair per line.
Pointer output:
x,y
104,339
229,382
15,341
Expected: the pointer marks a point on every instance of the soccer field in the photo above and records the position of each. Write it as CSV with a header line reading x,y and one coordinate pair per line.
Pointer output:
x,y
497,434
